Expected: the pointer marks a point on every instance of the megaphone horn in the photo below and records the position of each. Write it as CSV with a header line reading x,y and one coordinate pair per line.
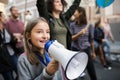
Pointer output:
x,y
74,63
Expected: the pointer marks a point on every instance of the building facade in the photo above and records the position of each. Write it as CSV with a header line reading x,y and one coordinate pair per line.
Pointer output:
x,y
2,7
90,6
23,5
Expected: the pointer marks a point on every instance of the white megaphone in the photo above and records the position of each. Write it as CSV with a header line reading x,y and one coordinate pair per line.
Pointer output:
x,y
74,63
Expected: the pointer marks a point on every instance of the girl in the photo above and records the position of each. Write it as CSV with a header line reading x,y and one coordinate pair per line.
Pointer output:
x,y
58,20
35,63
81,40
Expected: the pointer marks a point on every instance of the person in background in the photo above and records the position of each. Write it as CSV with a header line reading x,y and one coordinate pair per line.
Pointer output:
x,y
81,40
28,16
52,10
35,63
6,50
108,34
98,40
15,27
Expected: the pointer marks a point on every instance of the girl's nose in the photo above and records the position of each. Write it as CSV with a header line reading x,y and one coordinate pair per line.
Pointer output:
x,y
44,35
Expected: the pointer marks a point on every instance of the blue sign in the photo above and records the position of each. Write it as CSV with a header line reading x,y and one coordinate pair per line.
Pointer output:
x,y
104,3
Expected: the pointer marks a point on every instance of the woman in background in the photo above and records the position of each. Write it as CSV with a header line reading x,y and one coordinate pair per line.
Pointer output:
x,y
52,10
99,40
81,40
108,34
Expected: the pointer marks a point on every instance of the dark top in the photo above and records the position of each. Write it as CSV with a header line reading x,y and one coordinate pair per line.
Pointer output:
x,y
5,53
98,34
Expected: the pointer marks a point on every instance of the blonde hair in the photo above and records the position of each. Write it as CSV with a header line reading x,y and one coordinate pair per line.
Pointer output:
x,y
29,48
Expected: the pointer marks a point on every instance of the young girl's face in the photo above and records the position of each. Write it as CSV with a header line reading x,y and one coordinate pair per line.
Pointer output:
x,y
40,34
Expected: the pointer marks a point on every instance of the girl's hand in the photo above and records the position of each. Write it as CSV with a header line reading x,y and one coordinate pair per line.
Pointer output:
x,y
84,31
52,67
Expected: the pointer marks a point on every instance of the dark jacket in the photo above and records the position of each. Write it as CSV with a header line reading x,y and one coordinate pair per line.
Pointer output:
x,y
98,34
5,58
43,12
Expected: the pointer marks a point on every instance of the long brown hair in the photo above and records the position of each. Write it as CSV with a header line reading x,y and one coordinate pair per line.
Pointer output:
x,y
97,24
29,48
82,17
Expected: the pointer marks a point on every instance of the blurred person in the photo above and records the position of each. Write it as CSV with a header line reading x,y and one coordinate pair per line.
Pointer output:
x,y
98,40
35,63
53,11
81,40
6,50
15,27
108,34
28,16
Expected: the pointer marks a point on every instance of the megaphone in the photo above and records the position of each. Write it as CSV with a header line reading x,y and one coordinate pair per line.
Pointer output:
x,y
74,63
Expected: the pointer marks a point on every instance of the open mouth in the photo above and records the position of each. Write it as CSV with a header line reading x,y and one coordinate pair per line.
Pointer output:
x,y
43,41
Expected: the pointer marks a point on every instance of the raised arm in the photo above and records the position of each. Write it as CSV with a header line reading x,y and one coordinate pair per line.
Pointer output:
x,y
72,9
42,8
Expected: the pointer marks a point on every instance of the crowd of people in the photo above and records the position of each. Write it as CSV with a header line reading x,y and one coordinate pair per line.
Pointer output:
x,y
22,44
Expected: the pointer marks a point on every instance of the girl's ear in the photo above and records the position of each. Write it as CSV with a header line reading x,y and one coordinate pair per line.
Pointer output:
x,y
28,36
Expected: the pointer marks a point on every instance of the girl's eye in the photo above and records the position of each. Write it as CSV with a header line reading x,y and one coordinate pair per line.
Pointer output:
x,y
39,31
48,31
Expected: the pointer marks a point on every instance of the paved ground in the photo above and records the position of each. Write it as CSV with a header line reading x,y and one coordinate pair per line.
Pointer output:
x,y
104,74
